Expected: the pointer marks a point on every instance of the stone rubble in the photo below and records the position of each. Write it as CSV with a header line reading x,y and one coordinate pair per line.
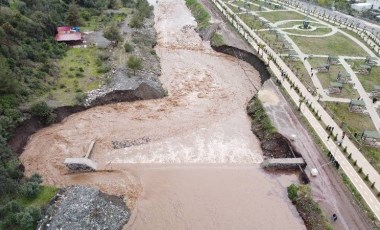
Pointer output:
x,y
80,207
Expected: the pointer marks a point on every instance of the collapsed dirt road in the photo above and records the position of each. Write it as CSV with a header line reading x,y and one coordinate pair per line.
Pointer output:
x,y
189,161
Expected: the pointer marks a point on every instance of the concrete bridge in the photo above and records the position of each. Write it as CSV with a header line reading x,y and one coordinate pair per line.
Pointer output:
x,y
283,163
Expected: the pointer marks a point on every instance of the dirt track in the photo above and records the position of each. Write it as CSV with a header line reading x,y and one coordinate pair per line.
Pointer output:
x,y
199,165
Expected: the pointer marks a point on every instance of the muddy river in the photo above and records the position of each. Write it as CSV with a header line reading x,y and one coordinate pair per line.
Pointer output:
x,y
191,161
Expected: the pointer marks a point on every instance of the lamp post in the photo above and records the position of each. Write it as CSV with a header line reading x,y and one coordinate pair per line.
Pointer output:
x,y
314,171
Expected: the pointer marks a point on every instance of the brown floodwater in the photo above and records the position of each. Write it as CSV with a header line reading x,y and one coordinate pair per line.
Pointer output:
x,y
198,166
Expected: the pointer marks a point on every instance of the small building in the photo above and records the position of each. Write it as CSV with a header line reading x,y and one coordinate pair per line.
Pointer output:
x,y
370,138
335,87
68,34
323,68
293,57
332,60
273,30
364,69
361,6
356,106
343,77
372,61
375,92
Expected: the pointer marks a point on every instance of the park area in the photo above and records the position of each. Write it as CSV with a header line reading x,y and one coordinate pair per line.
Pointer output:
x,y
321,46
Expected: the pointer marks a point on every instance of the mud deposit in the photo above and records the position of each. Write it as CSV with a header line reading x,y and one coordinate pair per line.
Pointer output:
x,y
199,169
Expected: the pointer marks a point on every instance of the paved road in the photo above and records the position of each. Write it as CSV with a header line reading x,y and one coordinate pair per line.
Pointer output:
x,y
360,185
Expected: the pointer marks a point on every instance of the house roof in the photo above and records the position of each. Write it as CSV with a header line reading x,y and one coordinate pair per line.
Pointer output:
x,y
365,66
63,29
76,36
344,74
336,84
371,134
358,102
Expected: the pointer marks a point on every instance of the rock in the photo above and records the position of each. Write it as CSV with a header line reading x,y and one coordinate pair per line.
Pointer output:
x,y
86,208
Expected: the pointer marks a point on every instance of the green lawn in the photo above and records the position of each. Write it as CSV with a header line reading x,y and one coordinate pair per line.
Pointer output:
x,y
276,16
78,73
250,21
45,195
367,81
357,36
318,31
356,122
270,39
249,7
234,9
299,69
373,156
335,45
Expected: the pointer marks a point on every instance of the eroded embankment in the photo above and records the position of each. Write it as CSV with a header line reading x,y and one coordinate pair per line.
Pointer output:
x,y
273,144
248,57
31,125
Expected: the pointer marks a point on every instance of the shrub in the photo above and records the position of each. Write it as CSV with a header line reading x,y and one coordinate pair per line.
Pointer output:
x,y
128,47
30,189
134,63
112,33
42,111
81,98
293,192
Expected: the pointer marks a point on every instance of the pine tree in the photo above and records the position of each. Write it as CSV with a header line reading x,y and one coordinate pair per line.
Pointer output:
x,y
73,17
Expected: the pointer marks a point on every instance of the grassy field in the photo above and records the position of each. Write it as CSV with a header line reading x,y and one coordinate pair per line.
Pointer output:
x,y
281,16
333,45
250,21
318,31
78,72
234,9
44,196
367,81
249,7
270,39
97,22
301,72
356,122
357,36
372,155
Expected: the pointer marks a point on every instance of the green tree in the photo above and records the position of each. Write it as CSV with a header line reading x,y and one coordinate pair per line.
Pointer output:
x,y
43,112
73,17
134,63
112,32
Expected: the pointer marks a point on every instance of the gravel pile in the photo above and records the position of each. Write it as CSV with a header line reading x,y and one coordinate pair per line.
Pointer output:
x,y
129,143
80,207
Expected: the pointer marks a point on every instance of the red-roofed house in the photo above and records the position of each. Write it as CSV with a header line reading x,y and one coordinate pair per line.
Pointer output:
x,y
67,34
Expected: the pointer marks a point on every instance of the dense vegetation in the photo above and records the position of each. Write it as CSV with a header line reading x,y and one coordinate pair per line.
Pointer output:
x,y
308,209
199,12
28,62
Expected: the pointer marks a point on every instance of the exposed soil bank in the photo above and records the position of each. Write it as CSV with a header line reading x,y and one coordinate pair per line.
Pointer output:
x,y
273,144
22,133
248,57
